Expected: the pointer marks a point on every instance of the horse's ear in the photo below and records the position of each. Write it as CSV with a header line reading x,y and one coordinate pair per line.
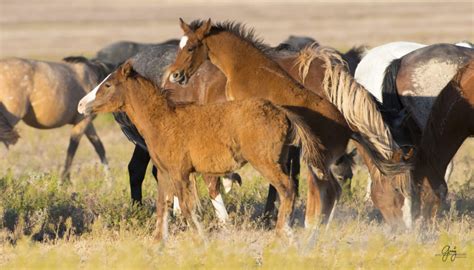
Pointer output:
x,y
205,28
186,28
127,69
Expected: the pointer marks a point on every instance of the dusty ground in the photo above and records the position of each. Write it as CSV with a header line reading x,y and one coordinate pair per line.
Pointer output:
x,y
56,28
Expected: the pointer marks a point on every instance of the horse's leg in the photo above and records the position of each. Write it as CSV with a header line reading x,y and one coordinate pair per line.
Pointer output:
x,y
161,227
76,134
186,195
292,166
137,170
213,184
91,134
322,196
286,191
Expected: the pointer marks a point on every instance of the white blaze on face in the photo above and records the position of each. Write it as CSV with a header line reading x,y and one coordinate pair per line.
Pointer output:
x,y
219,207
183,42
87,99
406,210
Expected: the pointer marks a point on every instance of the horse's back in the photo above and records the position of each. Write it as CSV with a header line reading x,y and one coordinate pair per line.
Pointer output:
x,y
424,73
371,69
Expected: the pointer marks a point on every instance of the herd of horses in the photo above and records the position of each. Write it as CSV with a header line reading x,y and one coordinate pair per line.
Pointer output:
x,y
219,98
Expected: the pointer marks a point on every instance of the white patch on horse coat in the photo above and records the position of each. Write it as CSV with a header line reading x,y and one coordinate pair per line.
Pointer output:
x,y
87,99
464,44
406,210
227,183
176,208
219,207
370,72
429,79
183,41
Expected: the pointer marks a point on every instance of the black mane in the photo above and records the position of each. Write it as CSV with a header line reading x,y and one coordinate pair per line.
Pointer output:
x,y
76,59
236,28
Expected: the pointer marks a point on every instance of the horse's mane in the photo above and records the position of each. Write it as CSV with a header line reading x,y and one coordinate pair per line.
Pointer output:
x,y
76,59
100,68
236,28
357,105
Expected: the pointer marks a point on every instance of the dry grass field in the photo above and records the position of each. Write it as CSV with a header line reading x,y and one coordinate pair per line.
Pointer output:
x,y
91,224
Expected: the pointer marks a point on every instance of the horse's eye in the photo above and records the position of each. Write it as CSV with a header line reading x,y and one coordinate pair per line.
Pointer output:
x,y
190,49
108,85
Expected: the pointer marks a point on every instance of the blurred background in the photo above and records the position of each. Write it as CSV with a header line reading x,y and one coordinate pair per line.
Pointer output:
x,y
52,29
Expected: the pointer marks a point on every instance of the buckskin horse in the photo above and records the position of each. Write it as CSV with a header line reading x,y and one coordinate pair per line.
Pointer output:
x,y
44,95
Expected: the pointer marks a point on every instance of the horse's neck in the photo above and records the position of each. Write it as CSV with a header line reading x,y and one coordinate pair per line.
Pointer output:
x,y
226,51
147,109
444,133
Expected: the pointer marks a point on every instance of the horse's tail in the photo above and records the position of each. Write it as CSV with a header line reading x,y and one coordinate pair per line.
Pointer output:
x,y
8,134
361,112
301,135
391,100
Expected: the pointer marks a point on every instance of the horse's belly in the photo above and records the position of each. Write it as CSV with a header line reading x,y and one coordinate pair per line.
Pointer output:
x,y
48,115
221,161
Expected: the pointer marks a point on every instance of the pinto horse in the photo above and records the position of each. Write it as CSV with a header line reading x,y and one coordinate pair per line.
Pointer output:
x,y
44,95
178,147
258,76
410,83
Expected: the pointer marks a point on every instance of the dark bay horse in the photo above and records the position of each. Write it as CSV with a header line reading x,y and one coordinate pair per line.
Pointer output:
x,y
258,76
413,83
178,146
44,95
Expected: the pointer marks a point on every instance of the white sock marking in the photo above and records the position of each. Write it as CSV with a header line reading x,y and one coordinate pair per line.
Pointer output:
x,y
227,183
219,207
176,208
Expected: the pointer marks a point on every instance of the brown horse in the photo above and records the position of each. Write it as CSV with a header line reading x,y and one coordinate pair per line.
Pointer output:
x,y
45,94
450,122
254,131
228,44
415,83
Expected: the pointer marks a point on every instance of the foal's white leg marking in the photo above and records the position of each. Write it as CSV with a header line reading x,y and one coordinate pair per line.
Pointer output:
x,y
406,210
87,99
183,41
227,183
219,207
165,225
176,208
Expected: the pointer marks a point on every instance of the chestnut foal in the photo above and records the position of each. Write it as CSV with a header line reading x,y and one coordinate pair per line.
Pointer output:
x,y
178,146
